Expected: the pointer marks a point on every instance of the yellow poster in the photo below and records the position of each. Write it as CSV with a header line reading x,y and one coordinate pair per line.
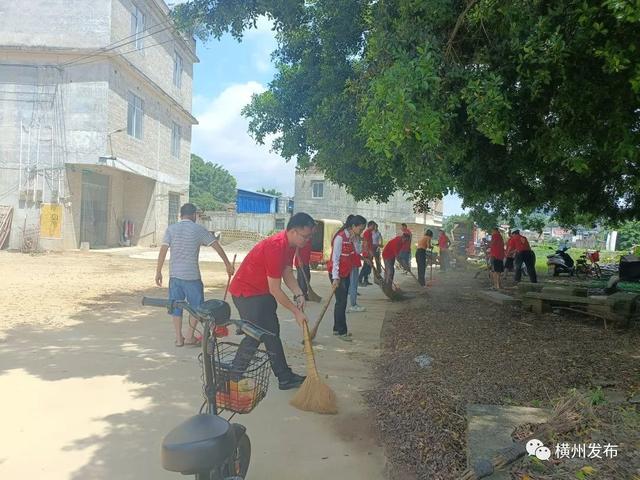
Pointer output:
x,y
51,220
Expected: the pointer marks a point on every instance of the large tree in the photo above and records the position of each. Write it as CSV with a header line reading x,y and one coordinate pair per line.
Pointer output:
x,y
212,186
516,105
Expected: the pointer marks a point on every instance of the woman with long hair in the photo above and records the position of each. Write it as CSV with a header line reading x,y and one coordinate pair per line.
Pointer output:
x,y
340,266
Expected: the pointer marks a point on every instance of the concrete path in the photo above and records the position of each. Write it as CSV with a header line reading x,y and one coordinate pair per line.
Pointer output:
x,y
93,400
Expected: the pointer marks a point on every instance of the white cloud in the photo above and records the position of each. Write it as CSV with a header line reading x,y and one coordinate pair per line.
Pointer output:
x,y
221,137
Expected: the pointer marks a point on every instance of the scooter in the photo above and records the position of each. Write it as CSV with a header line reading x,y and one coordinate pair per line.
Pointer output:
x,y
561,262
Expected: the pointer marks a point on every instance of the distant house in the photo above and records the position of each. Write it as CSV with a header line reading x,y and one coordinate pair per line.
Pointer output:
x,y
255,202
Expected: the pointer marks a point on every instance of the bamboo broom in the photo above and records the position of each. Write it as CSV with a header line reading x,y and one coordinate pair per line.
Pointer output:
x,y
313,395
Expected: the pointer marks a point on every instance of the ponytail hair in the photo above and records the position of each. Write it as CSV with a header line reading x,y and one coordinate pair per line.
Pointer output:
x,y
351,221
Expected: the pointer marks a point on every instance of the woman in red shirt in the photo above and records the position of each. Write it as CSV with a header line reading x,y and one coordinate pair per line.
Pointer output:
x,y
343,259
496,254
443,245
390,252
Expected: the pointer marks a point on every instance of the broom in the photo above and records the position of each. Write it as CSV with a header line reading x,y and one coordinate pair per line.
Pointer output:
x,y
391,293
313,395
226,290
313,296
314,330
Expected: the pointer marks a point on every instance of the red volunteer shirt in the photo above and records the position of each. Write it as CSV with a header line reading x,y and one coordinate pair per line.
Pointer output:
x,y
393,248
304,255
443,241
267,259
518,243
496,250
367,242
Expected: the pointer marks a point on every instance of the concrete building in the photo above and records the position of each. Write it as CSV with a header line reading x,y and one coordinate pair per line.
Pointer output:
x,y
95,121
325,200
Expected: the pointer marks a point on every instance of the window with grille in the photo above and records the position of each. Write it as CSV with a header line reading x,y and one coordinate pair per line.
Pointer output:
x,y
137,27
177,69
174,207
135,116
317,190
175,140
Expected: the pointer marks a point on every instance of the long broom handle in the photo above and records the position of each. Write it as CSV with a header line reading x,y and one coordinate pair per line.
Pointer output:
x,y
312,370
226,290
307,281
314,330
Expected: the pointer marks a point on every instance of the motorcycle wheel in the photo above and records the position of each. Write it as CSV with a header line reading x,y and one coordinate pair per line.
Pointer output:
x,y
238,465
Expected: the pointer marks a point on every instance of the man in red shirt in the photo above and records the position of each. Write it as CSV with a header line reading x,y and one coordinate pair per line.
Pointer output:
x,y
443,244
256,290
496,254
391,252
367,254
520,245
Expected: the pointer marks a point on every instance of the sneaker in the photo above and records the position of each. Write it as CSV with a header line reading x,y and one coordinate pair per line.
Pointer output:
x,y
356,309
348,334
346,337
292,381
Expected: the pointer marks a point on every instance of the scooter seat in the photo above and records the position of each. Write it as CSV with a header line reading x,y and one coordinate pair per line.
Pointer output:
x,y
198,444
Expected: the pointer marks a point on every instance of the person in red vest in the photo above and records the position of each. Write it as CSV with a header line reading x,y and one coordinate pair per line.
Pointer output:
x,y
343,259
519,244
443,244
367,253
391,252
256,290
496,254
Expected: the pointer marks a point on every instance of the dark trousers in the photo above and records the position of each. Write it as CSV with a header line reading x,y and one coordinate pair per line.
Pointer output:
x,y
261,310
527,257
421,260
303,272
376,256
340,309
365,271
389,270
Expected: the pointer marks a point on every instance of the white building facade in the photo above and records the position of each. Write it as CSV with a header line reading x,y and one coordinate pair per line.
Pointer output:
x,y
95,121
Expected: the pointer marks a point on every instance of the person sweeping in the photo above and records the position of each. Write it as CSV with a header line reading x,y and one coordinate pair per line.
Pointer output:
x,y
391,252
256,290
343,259
496,255
303,273
424,244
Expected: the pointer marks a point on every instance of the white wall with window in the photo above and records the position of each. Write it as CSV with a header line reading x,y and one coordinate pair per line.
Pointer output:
x,y
135,115
176,132
137,27
177,69
317,190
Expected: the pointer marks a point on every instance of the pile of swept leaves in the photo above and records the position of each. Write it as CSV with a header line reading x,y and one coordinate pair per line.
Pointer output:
x,y
489,354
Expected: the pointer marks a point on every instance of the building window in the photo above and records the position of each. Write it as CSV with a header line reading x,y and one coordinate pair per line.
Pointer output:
x,y
137,27
174,207
135,116
317,190
177,69
175,140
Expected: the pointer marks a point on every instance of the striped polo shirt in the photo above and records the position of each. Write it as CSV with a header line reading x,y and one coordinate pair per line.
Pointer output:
x,y
184,240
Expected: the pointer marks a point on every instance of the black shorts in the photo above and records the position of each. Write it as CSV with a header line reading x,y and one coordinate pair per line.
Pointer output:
x,y
508,263
497,265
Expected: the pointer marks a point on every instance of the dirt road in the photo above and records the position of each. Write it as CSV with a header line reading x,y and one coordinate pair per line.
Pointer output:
x,y
91,380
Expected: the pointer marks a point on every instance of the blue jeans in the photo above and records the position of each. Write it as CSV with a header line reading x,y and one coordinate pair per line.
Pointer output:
x,y
190,290
353,286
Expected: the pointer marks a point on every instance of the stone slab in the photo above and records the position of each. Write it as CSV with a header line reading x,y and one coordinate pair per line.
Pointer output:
x,y
490,427
499,298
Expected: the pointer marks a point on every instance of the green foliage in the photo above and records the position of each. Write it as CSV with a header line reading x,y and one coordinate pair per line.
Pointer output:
x,y
450,221
211,186
271,191
628,235
597,397
515,105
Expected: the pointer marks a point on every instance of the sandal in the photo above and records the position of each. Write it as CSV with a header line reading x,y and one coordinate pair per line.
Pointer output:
x,y
175,343
194,342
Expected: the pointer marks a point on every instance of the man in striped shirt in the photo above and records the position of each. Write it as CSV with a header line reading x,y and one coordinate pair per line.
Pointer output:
x,y
185,239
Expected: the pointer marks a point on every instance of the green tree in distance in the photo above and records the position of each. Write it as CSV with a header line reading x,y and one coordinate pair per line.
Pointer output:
x,y
270,191
211,186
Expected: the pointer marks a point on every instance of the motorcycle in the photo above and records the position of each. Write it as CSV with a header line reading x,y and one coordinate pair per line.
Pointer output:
x,y
561,262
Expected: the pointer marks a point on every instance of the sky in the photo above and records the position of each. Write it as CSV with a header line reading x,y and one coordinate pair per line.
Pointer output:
x,y
228,74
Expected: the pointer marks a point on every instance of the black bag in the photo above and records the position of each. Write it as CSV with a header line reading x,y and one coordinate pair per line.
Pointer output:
x,y
629,268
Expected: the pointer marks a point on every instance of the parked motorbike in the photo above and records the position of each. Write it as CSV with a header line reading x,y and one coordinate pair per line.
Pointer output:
x,y
561,262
